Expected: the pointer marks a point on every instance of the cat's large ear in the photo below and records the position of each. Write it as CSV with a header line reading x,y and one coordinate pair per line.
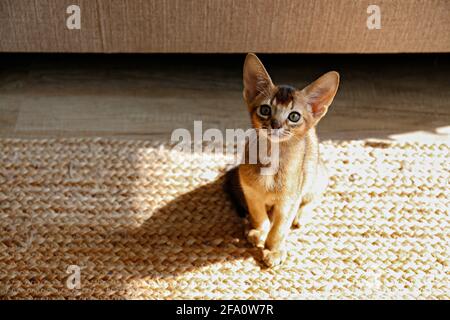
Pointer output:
x,y
256,78
320,93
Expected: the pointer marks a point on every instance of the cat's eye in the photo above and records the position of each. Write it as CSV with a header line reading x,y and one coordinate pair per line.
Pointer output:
x,y
294,116
264,110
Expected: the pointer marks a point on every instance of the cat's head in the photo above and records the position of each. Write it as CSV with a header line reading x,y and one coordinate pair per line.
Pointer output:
x,y
283,110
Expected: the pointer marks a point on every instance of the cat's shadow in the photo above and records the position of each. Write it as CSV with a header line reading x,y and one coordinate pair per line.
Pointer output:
x,y
192,231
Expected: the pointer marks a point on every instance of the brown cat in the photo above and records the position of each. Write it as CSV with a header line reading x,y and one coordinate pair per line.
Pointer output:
x,y
277,202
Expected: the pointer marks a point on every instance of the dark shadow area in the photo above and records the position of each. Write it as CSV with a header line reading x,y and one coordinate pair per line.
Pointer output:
x,y
172,239
149,95
195,230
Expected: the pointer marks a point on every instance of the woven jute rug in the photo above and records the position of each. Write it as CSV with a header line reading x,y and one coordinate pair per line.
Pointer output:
x,y
144,221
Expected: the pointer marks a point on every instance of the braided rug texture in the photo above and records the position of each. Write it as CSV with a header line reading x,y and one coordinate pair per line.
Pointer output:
x,y
145,221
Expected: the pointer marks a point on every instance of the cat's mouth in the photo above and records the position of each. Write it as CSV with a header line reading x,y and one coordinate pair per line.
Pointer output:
x,y
276,135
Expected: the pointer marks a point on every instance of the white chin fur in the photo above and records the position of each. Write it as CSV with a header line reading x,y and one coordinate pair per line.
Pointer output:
x,y
274,136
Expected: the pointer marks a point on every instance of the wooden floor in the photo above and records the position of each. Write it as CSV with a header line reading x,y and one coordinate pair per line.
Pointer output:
x,y
401,97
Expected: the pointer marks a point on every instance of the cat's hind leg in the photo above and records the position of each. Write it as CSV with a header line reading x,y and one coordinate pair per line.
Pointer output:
x,y
311,199
305,212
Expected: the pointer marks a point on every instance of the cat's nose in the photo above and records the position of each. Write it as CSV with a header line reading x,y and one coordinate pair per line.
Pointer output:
x,y
275,124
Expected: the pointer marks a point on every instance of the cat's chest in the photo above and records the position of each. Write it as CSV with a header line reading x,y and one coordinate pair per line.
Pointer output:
x,y
270,182
277,182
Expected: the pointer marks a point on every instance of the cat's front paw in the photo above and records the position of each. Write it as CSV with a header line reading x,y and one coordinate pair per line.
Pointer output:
x,y
273,258
256,237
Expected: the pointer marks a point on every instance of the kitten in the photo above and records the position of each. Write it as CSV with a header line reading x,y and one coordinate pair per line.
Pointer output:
x,y
277,202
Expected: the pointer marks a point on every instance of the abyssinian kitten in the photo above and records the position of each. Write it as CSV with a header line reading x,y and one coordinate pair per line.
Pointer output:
x,y
276,202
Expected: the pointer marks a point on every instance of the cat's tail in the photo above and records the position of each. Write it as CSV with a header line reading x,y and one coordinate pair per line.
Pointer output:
x,y
232,186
